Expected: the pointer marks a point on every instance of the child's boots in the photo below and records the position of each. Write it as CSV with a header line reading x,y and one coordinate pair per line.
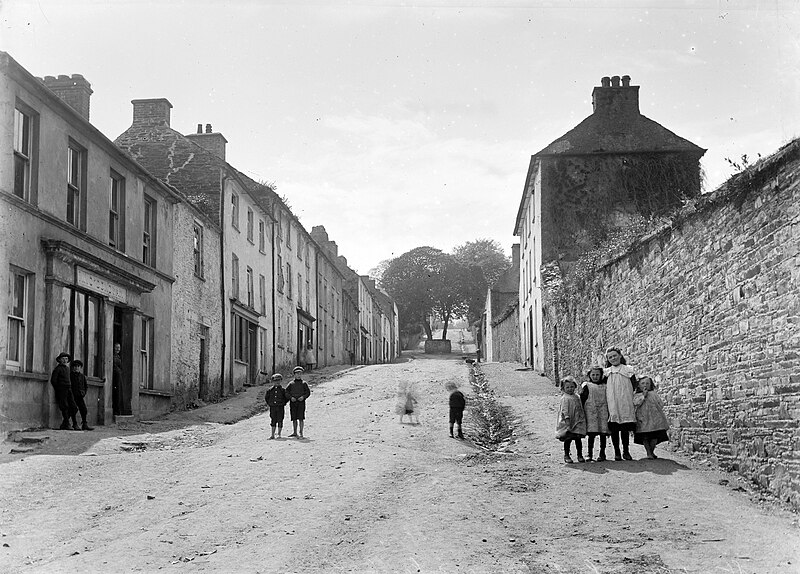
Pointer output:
x,y
602,456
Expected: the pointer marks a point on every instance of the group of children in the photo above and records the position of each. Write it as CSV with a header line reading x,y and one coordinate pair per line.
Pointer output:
x,y
295,394
611,402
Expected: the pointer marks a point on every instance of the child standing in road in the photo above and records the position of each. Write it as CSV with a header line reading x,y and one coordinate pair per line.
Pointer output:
x,y
276,399
593,397
406,401
620,386
571,422
457,404
651,422
297,392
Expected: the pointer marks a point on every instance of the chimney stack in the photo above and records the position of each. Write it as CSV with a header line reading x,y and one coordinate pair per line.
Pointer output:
x,y
210,141
616,96
515,256
151,112
74,90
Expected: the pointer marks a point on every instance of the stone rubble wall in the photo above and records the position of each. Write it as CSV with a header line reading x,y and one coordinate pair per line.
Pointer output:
x,y
710,308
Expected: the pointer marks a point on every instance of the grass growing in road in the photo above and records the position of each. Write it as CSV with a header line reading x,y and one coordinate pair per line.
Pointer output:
x,y
490,419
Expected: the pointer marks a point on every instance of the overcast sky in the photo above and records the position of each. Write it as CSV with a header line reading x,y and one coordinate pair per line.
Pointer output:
x,y
397,125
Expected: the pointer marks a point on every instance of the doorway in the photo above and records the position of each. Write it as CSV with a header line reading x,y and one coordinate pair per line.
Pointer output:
x,y
202,370
122,363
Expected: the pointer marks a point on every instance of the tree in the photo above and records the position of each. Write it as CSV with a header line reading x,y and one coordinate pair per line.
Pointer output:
x,y
377,271
485,253
486,258
427,281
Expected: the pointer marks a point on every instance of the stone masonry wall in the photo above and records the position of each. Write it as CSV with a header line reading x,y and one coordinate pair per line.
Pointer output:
x,y
710,307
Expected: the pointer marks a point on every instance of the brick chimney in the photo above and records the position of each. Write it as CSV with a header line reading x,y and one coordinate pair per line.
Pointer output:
x,y
151,112
319,234
74,90
515,256
616,96
213,142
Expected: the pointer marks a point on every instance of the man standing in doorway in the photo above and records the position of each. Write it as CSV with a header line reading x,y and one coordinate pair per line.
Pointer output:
x,y
298,392
116,389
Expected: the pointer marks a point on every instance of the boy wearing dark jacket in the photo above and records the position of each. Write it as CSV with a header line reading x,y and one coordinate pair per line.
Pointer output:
x,y
298,392
457,404
63,388
276,399
79,386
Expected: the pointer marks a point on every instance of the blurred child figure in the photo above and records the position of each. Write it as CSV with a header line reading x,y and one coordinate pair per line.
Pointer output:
x,y
79,388
571,422
595,407
276,399
406,401
651,422
457,404
620,386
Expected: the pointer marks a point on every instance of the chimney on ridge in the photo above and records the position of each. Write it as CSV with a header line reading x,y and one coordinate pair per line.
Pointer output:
x,y
616,96
74,90
213,142
151,112
515,256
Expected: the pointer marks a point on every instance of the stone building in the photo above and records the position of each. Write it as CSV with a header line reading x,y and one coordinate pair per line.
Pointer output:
x,y
88,255
195,165
499,325
615,172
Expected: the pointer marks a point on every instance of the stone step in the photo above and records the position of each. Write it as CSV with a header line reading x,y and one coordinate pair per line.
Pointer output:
x,y
21,450
124,419
34,440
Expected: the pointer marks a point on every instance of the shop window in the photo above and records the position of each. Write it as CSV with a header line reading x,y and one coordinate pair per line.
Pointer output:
x,y
85,331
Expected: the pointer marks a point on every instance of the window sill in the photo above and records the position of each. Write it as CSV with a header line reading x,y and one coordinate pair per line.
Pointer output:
x,y
155,392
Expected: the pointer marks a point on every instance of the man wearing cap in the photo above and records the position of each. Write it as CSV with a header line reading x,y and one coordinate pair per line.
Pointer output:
x,y
276,399
63,388
298,392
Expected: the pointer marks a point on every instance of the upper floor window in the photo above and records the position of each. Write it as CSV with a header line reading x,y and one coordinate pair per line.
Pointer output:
x,y
76,183
289,234
235,210
23,152
308,260
235,276
250,289
300,291
116,212
279,223
250,225
261,236
148,232
280,279
299,245
289,280
198,250
262,294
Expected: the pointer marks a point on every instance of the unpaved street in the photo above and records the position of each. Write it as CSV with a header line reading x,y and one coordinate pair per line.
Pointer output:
x,y
363,493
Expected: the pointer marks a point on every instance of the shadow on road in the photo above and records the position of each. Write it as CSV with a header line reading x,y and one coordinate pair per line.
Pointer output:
x,y
662,466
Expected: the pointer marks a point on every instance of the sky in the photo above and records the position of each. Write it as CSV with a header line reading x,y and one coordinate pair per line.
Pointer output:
x,y
402,124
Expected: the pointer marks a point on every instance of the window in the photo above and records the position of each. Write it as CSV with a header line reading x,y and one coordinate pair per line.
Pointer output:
x,y
234,276
300,291
250,290
23,141
280,280
299,245
20,290
146,363
85,330
289,280
308,261
289,234
308,294
262,294
279,223
149,232
198,250
261,236
235,210
241,349
116,212
249,225
280,328
76,183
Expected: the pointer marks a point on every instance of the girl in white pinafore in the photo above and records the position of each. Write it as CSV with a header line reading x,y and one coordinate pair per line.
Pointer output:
x,y
620,386
595,405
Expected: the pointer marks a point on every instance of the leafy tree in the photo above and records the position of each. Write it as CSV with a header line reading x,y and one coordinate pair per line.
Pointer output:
x,y
485,253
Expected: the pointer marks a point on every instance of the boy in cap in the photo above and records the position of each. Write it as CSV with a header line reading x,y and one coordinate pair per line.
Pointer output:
x,y
63,387
457,404
298,392
79,387
276,399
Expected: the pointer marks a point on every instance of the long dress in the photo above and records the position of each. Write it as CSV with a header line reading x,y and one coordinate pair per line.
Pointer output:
x,y
619,395
651,422
570,418
595,408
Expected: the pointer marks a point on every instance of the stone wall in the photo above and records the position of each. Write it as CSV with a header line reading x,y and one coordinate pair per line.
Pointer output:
x,y
710,307
505,335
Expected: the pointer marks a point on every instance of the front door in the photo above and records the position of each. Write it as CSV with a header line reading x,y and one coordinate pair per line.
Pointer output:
x,y
202,370
252,366
122,367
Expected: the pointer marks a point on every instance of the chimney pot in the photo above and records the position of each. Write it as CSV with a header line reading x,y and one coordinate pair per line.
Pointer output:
x,y
199,128
208,129
626,81
75,91
615,81
605,81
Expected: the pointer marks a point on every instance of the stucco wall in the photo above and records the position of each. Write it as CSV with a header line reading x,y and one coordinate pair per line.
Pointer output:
x,y
710,308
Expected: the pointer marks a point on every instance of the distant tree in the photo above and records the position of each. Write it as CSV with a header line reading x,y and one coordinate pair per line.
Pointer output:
x,y
424,282
484,253
488,262
378,271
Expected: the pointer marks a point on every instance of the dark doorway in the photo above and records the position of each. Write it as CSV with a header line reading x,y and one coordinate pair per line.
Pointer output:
x,y
252,361
122,388
202,371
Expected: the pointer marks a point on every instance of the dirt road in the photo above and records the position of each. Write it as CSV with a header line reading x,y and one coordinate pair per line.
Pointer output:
x,y
364,493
